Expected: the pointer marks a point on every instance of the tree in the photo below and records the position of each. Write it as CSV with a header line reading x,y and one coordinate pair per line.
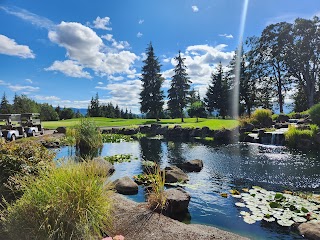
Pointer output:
x,y
5,107
94,107
272,52
48,113
23,104
179,91
151,95
67,113
303,56
117,112
197,109
217,93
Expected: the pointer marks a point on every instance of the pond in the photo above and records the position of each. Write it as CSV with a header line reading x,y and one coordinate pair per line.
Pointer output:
x,y
226,167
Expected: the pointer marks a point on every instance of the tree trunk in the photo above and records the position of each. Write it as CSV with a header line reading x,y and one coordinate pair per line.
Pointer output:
x,y
181,112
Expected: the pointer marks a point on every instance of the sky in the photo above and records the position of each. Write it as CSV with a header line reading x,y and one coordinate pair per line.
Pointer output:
x,y
64,52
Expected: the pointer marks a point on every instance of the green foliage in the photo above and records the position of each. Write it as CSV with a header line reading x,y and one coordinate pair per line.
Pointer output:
x,y
275,117
47,113
70,137
315,114
69,202
115,138
119,158
151,95
88,137
294,135
262,117
197,109
21,159
5,107
179,91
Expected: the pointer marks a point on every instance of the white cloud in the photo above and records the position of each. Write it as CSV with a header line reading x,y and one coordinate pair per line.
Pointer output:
x,y
69,68
34,19
229,36
87,49
118,45
100,83
17,88
102,23
113,78
139,34
141,21
195,8
9,47
46,98
107,37
29,80
3,83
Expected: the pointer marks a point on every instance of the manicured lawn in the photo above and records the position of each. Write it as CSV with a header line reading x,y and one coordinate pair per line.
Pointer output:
x,y
112,122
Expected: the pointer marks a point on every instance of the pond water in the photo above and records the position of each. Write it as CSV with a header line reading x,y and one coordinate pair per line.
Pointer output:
x,y
226,167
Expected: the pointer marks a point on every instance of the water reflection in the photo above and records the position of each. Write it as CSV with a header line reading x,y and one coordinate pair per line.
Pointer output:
x,y
150,150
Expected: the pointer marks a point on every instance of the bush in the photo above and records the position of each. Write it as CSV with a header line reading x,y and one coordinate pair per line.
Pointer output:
x,y
262,117
21,160
315,114
88,137
294,135
69,202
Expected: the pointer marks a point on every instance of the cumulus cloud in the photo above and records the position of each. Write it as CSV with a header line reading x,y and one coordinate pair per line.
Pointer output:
x,y
86,49
229,36
69,68
139,35
100,83
118,78
195,8
29,80
102,23
118,45
9,47
17,88
141,21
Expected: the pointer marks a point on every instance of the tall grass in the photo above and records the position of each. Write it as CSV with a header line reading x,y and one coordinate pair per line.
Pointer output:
x,y
157,198
262,115
294,135
69,202
315,114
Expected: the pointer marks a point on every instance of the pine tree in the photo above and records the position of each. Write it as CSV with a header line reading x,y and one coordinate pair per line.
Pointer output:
x,y
94,107
217,93
179,91
151,95
5,107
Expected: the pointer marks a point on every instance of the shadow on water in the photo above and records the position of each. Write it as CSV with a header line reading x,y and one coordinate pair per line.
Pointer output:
x,y
233,166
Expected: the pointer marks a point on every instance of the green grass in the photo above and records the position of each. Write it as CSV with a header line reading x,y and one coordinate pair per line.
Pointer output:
x,y
213,124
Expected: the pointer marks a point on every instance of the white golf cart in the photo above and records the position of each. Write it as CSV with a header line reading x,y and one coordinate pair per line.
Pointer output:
x,y
10,126
32,124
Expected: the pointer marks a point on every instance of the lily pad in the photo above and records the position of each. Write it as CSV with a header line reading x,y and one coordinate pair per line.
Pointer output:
x,y
285,223
271,219
249,220
239,204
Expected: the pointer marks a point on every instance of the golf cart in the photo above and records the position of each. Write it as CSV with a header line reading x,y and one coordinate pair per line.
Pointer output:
x,y
10,126
32,123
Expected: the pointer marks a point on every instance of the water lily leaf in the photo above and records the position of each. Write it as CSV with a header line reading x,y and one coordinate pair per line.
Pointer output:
x,y
287,192
285,223
244,213
270,219
256,217
279,197
236,196
299,219
247,190
239,204
249,220
225,195
274,205
234,192
303,209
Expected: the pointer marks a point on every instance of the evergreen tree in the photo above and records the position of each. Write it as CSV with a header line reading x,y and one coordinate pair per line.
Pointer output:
x,y
217,93
58,110
151,95
94,107
48,113
179,91
117,112
5,107
194,96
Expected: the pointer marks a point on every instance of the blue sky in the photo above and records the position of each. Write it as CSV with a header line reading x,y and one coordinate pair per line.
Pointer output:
x,y
63,52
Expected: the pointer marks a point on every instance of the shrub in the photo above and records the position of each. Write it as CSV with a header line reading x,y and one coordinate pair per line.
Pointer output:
x,y
262,115
315,114
157,198
294,135
88,137
21,160
69,202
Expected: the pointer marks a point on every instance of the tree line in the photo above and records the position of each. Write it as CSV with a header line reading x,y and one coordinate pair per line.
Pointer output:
x,y
284,58
23,104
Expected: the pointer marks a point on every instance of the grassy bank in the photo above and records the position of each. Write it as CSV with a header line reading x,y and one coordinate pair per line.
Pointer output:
x,y
113,122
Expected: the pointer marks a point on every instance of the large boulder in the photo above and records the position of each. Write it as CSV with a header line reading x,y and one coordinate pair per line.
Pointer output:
x,y
310,230
248,127
126,186
105,167
174,174
177,201
61,130
192,165
282,118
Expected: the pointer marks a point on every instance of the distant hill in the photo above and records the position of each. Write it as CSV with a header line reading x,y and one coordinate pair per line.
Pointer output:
x,y
83,111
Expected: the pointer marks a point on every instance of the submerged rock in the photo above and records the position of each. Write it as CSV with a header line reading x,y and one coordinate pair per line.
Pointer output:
x,y
126,186
175,174
177,201
310,230
192,165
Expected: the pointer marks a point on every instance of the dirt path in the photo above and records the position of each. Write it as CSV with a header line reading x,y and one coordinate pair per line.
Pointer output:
x,y
134,221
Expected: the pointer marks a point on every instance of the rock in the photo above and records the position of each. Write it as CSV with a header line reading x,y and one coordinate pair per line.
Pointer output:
x,y
248,127
304,121
177,201
205,131
310,230
222,135
51,144
192,165
304,144
126,186
282,118
317,138
105,167
174,174
61,130
281,125
130,131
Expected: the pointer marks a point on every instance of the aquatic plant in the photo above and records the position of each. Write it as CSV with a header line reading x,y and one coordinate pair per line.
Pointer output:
x,y
119,158
284,208
69,202
116,138
315,114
